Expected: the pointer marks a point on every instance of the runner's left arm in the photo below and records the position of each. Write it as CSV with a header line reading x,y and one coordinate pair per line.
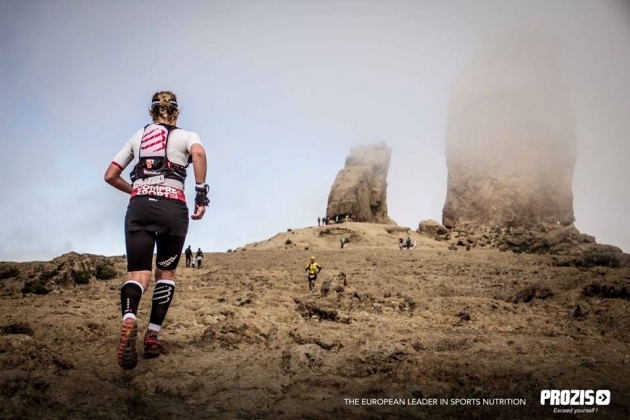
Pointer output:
x,y
200,167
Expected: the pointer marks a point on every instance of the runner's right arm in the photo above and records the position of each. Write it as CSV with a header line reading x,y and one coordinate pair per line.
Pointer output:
x,y
114,170
113,178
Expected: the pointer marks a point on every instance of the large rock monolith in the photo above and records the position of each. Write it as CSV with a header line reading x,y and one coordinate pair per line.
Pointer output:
x,y
360,188
511,144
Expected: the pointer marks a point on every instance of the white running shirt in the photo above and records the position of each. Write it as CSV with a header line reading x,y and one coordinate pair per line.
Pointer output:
x,y
178,147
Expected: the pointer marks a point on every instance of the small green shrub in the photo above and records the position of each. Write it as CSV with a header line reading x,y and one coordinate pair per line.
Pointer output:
x,y
81,277
6,272
36,288
105,272
48,274
288,242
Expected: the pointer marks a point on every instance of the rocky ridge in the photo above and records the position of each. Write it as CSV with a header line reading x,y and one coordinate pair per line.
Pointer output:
x,y
565,243
70,269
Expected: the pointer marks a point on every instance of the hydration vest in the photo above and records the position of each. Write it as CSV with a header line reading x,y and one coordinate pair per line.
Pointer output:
x,y
152,158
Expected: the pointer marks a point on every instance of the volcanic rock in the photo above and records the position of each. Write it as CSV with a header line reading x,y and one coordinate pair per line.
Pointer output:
x,y
361,186
431,228
511,144
557,236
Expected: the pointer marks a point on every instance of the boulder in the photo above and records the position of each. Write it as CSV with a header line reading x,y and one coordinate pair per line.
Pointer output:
x,y
519,230
560,235
360,188
517,241
431,228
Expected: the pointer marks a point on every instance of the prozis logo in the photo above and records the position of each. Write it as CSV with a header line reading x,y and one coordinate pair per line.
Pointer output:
x,y
574,397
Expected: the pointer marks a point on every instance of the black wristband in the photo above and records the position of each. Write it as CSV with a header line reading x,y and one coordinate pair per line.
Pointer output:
x,y
201,199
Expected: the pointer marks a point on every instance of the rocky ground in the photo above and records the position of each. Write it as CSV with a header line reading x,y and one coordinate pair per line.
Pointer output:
x,y
244,339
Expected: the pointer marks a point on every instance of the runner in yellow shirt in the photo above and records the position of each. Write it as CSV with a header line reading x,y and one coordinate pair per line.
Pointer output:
x,y
313,269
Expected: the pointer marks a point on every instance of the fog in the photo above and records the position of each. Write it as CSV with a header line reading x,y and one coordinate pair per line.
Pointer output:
x,y
280,91
511,143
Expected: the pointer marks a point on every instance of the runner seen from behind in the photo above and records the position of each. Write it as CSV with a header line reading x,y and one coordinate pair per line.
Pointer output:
x,y
157,216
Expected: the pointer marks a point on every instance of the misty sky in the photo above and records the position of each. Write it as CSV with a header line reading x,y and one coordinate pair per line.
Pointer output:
x,y
279,92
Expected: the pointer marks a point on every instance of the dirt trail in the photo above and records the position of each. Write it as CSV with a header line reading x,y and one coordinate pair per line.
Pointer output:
x,y
245,340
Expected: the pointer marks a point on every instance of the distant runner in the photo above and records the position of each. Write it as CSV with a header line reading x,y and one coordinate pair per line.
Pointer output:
x,y
313,269
199,257
188,253
157,215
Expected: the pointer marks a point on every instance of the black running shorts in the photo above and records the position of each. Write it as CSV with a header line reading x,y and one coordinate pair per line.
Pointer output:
x,y
152,221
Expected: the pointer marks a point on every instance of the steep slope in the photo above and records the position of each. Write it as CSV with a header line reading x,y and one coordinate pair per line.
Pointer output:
x,y
244,339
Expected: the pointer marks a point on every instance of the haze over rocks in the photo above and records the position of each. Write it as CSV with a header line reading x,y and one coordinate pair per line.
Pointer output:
x,y
511,145
360,187
511,149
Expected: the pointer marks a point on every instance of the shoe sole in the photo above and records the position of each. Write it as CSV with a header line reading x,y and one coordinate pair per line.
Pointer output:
x,y
127,354
150,351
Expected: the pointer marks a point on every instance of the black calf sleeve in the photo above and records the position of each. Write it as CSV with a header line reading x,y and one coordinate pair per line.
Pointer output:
x,y
130,295
162,297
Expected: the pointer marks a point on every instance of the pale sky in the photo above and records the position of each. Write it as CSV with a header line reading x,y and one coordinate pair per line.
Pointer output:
x,y
279,92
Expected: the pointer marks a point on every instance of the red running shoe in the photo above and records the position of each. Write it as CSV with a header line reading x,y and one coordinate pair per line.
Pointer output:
x,y
127,355
152,346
